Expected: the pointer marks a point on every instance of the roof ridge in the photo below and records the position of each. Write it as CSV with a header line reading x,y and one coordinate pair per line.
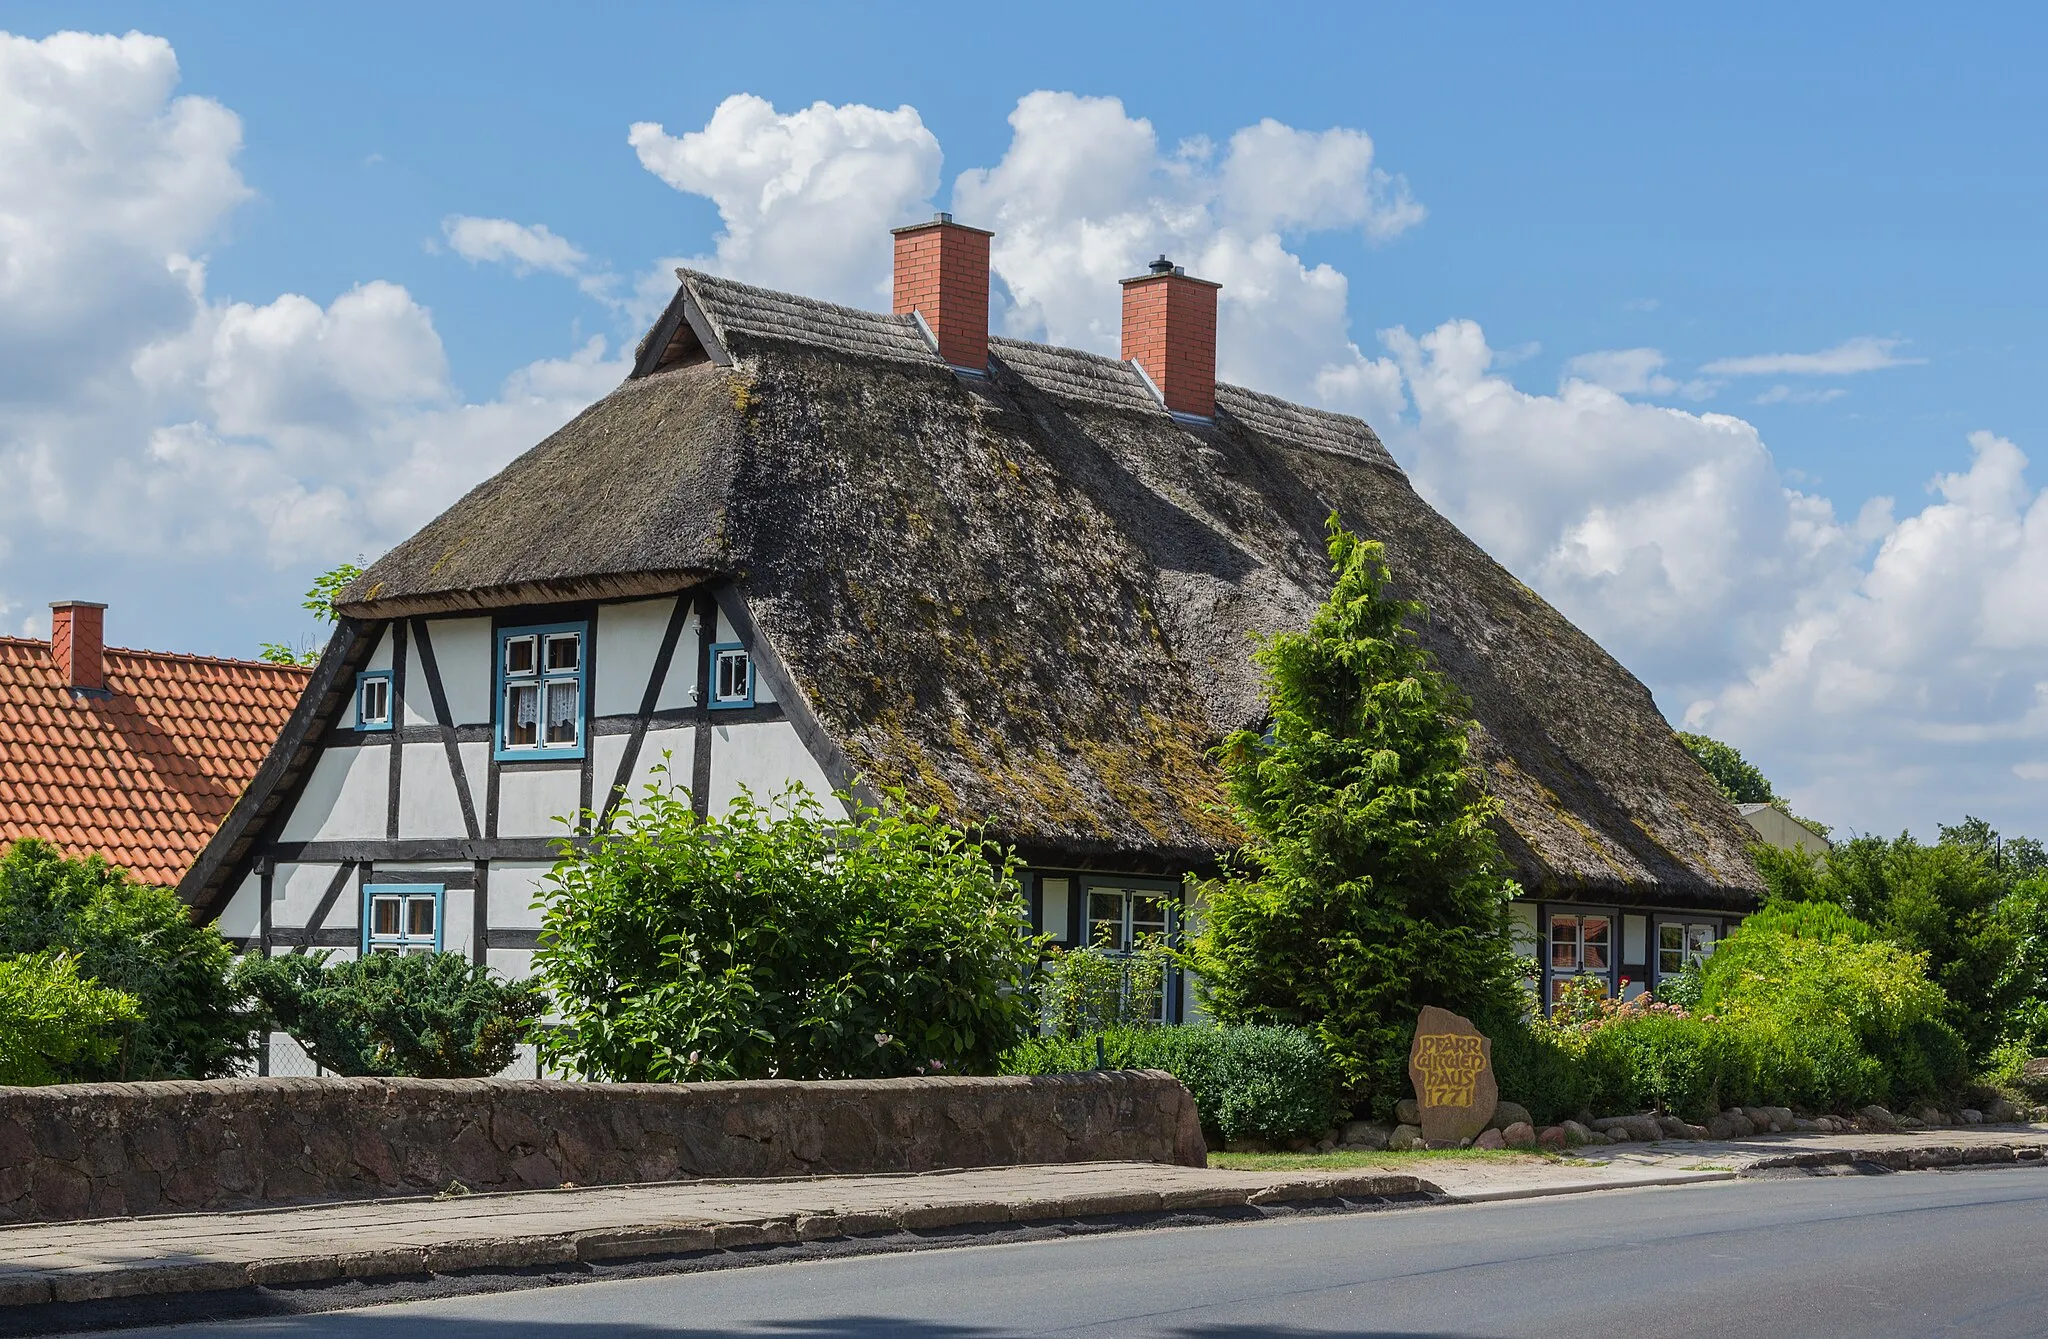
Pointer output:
x,y
687,274
192,656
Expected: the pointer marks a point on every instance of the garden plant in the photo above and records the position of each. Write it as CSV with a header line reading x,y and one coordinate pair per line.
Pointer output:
x,y
1371,883
781,941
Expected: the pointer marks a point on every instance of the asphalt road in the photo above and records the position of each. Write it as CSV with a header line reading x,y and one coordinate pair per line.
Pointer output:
x,y
1928,1253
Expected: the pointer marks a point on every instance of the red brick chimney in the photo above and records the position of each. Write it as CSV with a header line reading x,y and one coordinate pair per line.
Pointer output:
x,y
78,640
942,275
1170,332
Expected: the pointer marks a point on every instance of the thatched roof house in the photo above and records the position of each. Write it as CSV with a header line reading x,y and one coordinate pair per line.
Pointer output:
x,y
1020,582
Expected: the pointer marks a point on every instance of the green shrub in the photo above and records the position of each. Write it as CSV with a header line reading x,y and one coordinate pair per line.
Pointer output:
x,y
55,1025
1272,1083
1945,901
420,1016
776,941
1371,883
136,940
1839,1016
1536,1068
1088,989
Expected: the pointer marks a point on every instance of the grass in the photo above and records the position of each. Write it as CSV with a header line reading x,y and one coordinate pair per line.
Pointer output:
x,y
1346,1159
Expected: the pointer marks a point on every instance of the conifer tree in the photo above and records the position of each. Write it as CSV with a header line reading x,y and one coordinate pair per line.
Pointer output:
x,y
1371,884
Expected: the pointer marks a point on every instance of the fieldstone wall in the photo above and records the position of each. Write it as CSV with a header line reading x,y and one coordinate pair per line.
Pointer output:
x,y
113,1149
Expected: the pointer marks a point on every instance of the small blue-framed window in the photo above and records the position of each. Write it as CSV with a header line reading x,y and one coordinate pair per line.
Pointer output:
x,y
373,700
541,691
732,676
402,918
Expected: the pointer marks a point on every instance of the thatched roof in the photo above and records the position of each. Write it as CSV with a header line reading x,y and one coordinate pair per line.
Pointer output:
x,y
1029,599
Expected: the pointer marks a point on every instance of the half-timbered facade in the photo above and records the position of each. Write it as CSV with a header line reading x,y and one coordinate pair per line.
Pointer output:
x,y
868,552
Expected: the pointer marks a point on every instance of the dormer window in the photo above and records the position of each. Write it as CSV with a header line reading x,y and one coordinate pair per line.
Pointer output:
x,y
540,691
373,700
732,676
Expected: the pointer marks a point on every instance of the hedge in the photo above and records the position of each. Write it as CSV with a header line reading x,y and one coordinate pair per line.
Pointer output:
x,y
1271,1083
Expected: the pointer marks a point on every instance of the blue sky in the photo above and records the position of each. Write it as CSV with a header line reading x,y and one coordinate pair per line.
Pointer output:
x,y
1858,187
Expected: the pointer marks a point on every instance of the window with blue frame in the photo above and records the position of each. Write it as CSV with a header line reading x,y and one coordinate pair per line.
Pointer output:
x,y
402,918
373,700
732,676
540,691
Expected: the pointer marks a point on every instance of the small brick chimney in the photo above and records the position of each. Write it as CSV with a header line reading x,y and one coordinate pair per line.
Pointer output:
x,y
1170,332
78,640
942,275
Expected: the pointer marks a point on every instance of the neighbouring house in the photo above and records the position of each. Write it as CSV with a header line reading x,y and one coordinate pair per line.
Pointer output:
x,y
136,755
871,551
1775,827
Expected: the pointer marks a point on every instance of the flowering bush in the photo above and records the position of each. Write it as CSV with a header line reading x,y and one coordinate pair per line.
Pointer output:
x,y
1584,1006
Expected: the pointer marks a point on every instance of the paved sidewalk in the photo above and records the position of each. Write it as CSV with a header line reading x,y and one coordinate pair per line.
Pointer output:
x,y
74,1262
567,1230
1680,1161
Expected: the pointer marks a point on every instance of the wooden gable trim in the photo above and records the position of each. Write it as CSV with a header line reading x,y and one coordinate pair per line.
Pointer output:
x,y
683,335
795,703
211,880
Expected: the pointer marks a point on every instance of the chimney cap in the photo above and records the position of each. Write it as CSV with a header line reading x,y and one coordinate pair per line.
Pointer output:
x,y
76,604
1163,266
939,220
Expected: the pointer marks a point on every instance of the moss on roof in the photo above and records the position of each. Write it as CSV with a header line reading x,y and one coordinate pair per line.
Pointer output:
x,y
1030,598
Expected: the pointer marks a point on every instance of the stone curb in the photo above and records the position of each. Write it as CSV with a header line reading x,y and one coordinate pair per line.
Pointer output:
x,y
1588,1187
1924,1158
596,1245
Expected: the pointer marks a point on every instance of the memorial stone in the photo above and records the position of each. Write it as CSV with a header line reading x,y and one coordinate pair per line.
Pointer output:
x,y
1451,1065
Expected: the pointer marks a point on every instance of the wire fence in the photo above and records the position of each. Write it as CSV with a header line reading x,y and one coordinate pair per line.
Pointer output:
x,y
286,1059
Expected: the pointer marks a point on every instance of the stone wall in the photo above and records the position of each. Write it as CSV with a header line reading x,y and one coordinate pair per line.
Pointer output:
x,y
107,1150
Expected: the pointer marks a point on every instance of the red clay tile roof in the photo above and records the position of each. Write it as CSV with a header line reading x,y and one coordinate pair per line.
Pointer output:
x,y
143,776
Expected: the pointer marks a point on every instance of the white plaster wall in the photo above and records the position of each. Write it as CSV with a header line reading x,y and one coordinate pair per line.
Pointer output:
x,y
380,658
628,640
429,805
605,752
458,920
242,917
530,799
679,689
295,893
462,648
680,748
476,769
515,964
344,798
1522,929
765,758
514,884
726,631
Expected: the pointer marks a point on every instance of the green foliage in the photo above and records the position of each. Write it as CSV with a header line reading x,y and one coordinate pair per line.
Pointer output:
x,y
1943,901
55,1025
1682,989
327,588
1088,989
136,940
319,602
1371,884
1823,986
420,1016
1737,777
1272,1083
776,941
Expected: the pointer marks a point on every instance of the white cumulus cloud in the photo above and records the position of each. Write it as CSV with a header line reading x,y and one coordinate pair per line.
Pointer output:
x,y
526,247
194,458
1865,353
805,198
